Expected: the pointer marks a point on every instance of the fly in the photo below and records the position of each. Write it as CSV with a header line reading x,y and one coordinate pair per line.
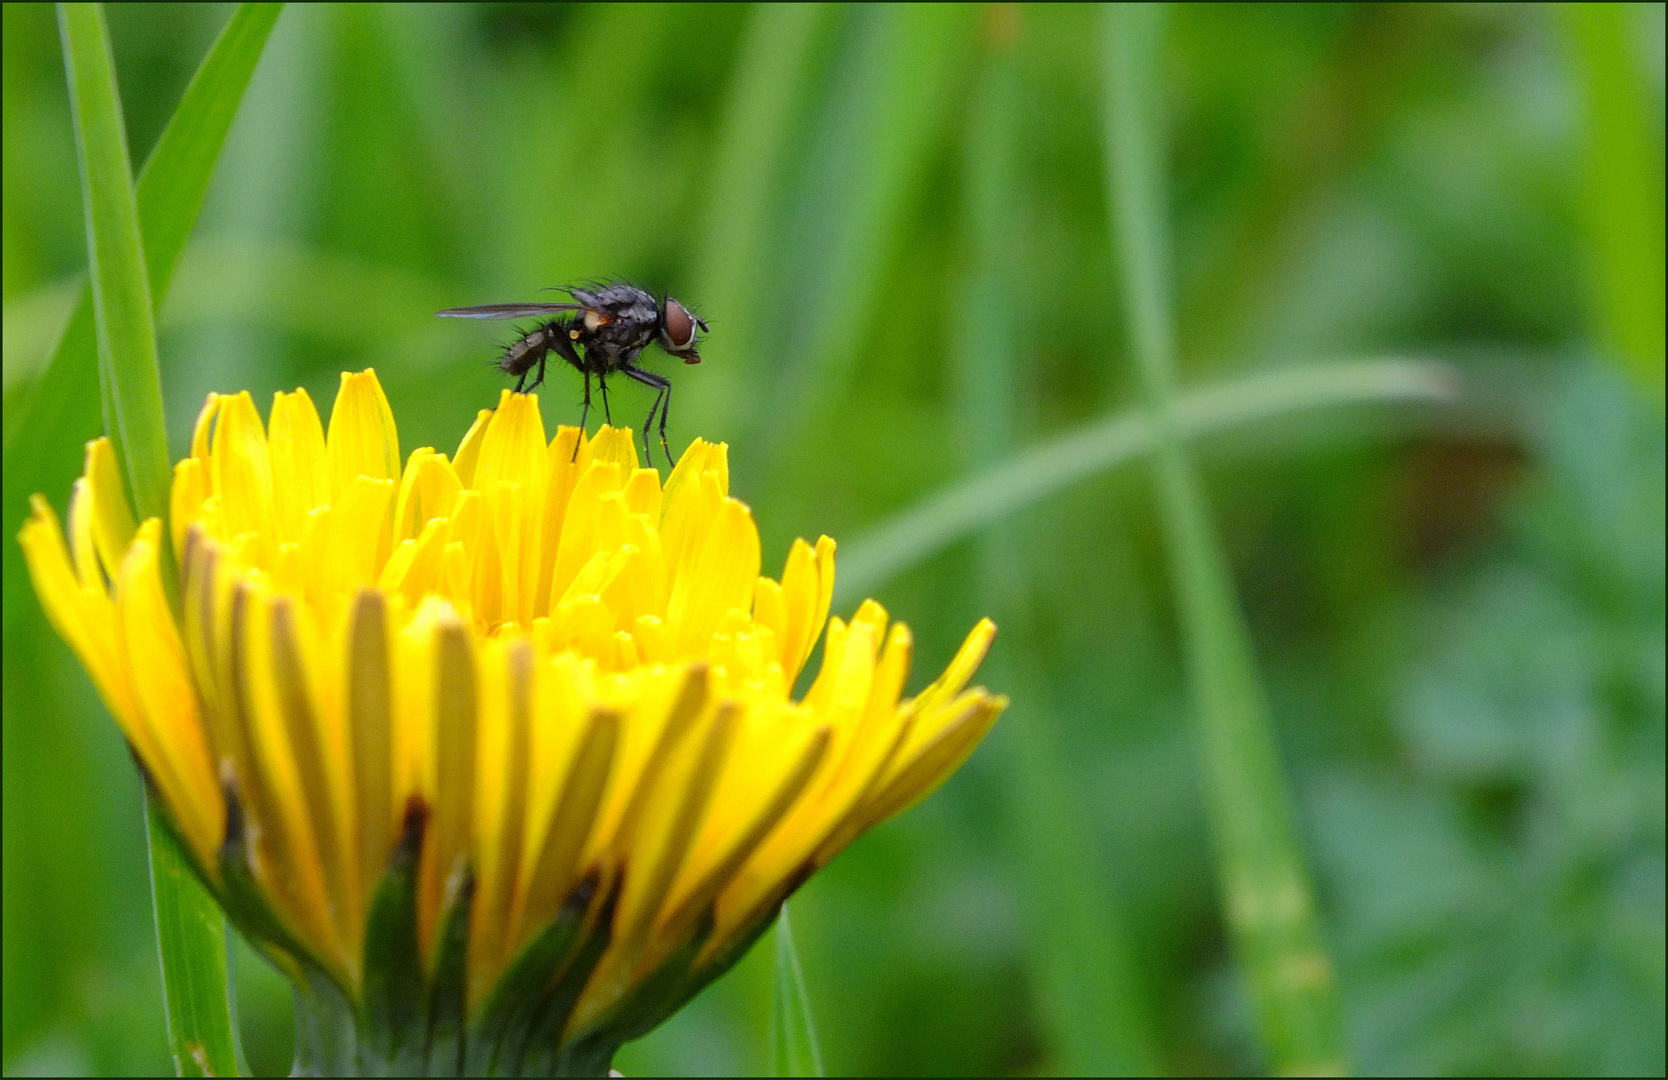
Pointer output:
x,y
602,331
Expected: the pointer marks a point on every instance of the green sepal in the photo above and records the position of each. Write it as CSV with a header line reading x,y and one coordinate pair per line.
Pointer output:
x,y
326,1038
235,889
540,1053
764,918
726,958
245,903
665,990
650,1000
394,1009
326,1043
498,1036
449,993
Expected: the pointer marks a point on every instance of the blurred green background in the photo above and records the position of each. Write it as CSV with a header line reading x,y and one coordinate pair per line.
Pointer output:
x,y
1458,611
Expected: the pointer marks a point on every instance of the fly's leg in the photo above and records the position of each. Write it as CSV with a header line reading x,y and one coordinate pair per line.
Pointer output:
x,y
558,334
665,407
584,415
602,381
662,398
553,338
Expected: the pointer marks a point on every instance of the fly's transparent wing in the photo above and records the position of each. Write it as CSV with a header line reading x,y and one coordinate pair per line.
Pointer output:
x,y
503,311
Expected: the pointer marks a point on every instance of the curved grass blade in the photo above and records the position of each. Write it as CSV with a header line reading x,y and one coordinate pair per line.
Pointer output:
x,y
1102,445
59,413
793,1036
1269,901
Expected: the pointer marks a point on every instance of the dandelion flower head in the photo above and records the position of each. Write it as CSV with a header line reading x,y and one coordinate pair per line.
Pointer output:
x,y
530,677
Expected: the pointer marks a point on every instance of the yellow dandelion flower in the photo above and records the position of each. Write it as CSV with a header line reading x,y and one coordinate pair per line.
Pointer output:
x,y
497,754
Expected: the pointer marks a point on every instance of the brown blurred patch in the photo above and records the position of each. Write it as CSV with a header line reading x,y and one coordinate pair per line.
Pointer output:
x,y
1451,494
1001,25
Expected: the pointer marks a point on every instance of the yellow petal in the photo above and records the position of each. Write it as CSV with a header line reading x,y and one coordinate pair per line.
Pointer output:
x,y
504,738
689,508
300,464
559,836
290,865
362,440
642,494
776,756
807,592
513,447
929,765
438,488
961,669
469,450
81,537
185,500
513,473
701,457
672,814
84,617
319,757
155,657
242,472
452,734
567,459
204,427
615,445
347,543
720,579
578,545
112,519
371,721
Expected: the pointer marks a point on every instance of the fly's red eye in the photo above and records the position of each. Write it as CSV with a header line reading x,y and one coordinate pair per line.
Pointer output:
x,y
679,324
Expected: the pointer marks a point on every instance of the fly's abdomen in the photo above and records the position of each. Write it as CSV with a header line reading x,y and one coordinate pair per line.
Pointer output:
x,y
525,352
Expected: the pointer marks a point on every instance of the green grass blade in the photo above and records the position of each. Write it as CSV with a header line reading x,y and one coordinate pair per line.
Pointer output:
x,y
121,283
43,445
1267,894
1621,190
175,178
772,79
191,940
793,1037
1099,446
889,99
191,935
1089,1001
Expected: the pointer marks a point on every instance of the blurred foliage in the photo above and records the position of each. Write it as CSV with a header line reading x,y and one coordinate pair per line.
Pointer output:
x,y
1459,614
1529,937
